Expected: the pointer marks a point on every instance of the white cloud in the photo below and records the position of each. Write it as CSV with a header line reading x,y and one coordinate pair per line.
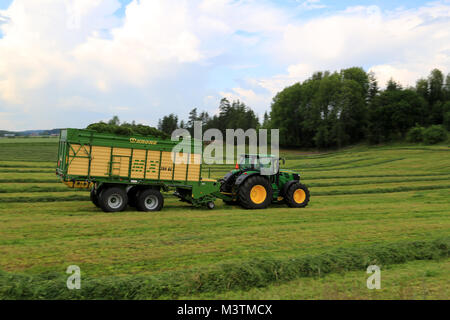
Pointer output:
x,y
78,62
402,44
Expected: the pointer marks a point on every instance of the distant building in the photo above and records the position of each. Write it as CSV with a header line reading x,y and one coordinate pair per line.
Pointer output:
x,y
9,135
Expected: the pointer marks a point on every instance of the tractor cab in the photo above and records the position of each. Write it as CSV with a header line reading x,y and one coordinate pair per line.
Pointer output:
x,y
267,165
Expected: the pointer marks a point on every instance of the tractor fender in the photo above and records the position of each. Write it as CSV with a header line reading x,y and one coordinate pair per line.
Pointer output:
x,y
227,176
286,187
244,177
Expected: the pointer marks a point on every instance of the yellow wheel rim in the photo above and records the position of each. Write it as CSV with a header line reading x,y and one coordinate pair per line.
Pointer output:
x,y
299,196
258,194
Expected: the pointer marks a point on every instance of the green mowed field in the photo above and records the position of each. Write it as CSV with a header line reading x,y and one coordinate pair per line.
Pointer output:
x,y
385,204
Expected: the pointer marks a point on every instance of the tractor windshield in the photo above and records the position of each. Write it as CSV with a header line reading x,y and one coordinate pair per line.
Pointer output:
x,y
249,162
255,162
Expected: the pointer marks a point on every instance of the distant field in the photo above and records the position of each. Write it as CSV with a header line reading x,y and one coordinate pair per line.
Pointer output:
x,y
361,197
16,140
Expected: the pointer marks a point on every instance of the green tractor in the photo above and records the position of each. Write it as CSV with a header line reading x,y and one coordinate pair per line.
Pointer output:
x,y
258,181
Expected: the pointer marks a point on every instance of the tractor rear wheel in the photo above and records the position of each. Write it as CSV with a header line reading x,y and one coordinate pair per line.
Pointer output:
x,y
149,200
255,193
297,196
113,199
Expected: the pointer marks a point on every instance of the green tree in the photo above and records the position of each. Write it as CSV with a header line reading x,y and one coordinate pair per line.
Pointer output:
x,y
422,88
436,86
393,112
373,86
266,121
192,118
114,121
447,88
168,124
434,134
114,126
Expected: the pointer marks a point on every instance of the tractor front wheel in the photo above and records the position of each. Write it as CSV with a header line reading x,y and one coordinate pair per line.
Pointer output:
x,y
255,193
297,196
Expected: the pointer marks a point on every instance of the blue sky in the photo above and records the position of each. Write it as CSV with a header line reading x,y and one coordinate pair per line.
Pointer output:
x,y
84,61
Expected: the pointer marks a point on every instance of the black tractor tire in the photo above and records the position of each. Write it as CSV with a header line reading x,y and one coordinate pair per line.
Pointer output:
x,y
132,196
113,199
251,198
297,196
149,200
94,197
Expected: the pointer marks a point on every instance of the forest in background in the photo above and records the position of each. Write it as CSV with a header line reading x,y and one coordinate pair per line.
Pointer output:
x,y
328,110
340,108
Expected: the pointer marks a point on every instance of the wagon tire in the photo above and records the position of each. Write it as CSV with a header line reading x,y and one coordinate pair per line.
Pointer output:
x,y
94,198
149,200
113,199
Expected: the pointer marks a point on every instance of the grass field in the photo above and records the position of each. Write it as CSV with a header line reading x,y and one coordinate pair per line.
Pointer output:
x,y
381,204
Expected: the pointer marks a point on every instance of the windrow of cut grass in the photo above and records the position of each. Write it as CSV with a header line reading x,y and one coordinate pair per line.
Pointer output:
x,y
44,196
419,279
13,165
24,176
335,165
30,180
362,181
353,167
335,192
399,176
32,187
25,170
244,275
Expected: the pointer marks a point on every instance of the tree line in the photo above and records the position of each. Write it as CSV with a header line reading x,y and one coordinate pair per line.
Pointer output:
x,y
328,110
347,107
124,128
338,109
232,115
